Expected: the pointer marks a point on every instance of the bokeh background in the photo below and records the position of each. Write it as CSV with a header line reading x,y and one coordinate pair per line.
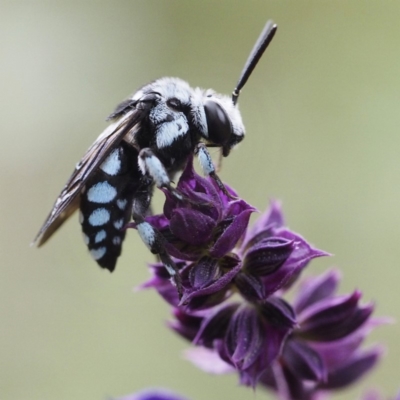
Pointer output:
x,y
322,112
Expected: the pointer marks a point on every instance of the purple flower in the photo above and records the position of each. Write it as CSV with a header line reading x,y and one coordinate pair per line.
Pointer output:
x,y
207,223
201,233
323,351
152,394
217,257
295,350
208,238
273,257
245,336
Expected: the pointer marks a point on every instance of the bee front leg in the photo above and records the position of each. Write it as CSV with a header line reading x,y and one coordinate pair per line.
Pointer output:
x,y
208,167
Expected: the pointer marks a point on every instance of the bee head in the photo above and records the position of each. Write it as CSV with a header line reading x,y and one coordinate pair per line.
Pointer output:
x,y
224,123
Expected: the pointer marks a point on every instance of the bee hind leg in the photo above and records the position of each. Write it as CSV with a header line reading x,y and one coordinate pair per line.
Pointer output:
x,y
151,237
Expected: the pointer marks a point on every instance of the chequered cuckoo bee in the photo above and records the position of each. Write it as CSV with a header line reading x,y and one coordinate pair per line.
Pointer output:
x,y
150,138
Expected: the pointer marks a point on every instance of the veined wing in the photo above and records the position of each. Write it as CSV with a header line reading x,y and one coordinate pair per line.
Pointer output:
x,y
68,200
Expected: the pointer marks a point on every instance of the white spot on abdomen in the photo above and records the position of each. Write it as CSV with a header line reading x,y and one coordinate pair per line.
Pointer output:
x,y
122,204
101,192
100,236
116,240
112,164
99,217
118,224
98,253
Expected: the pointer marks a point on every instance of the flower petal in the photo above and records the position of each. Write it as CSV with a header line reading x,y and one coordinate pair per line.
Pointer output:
x,y
267,256
272,217
215,324
204,272
334,318
278,313
317,288
250,287
208,360
231,235
219,285
335,353
153,394
245,337
185,324
191,226
301,255
354,369
303,361
273,342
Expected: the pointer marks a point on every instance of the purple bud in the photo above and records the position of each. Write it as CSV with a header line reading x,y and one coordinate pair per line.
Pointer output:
x,y
267,256
214,326
204,272
245,337
356,366
278,313
186,325
152,394
191,226
250,287
233,228
334,318
315,289
303,361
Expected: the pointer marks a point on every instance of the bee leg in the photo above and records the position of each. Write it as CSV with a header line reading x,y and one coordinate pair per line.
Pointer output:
x,y
208,167
151,166
151,237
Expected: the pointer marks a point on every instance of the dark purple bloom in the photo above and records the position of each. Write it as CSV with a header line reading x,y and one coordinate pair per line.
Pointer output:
x,y
296,351
217,255
201,233
153,394
323,351
245,336
207,223
375,395
273,256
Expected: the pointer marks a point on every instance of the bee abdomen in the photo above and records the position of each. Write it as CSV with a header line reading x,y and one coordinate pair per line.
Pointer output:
x,y
106,204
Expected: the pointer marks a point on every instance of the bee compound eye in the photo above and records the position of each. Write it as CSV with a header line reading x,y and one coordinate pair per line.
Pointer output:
x,y
147,101
174,104
218,123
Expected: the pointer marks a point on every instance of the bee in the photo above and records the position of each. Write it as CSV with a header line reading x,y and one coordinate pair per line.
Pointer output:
x,y
150,138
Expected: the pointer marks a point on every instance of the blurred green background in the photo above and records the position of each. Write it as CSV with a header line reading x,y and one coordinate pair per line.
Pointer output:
x,y
322,112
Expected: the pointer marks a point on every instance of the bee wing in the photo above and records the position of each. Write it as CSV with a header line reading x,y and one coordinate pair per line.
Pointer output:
x,y
68,200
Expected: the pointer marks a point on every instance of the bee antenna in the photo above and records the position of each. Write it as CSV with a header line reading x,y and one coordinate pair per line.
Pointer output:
x,y
262,43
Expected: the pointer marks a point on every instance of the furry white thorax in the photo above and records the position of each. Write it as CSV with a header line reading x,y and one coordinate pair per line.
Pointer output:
x,y
168,132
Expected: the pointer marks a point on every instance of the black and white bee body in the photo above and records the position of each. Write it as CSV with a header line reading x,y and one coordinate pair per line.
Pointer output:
x,y
151,136
106,204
